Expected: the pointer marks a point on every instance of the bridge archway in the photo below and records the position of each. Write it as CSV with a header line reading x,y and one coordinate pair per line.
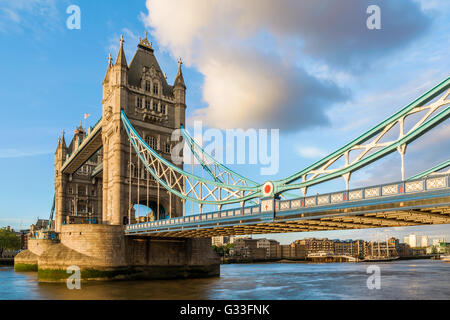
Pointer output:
x,y
144,213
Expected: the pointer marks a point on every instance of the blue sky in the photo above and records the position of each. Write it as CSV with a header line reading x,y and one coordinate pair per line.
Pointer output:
x,y
321,84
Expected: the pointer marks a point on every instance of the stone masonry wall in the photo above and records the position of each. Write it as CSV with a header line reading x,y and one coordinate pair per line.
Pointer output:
x,y
104,243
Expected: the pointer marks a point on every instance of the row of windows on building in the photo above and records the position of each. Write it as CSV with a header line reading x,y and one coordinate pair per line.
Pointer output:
x,y
82,207
86,169
81,190
146,103
144,173
148,87
153,143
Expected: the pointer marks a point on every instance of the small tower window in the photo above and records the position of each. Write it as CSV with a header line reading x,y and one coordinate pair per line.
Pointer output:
x,y
147,104
139,102
155,88
163,109
147,86
151,141
81,190
167,147
155,106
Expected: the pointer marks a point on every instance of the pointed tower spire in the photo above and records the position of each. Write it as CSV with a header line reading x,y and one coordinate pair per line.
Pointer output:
x,y
63,140
179,81
109,60
121,59
145,44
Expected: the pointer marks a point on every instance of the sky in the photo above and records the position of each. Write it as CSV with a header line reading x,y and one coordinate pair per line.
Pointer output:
x,y
312,70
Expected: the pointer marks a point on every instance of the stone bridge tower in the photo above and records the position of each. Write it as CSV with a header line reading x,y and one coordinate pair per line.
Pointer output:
x,y
155,110
99,246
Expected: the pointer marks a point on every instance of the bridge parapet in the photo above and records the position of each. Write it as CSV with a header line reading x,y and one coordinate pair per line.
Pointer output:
x,y
398,192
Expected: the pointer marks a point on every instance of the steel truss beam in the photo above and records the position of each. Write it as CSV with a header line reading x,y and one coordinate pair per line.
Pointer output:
x,y
183,184
369,146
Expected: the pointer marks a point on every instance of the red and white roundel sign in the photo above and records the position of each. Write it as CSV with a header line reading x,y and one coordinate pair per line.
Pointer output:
x,y
267,188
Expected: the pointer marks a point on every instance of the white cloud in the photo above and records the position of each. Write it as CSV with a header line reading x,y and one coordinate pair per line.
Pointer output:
x,y
438,5
15,153
311,152
30,15
252,54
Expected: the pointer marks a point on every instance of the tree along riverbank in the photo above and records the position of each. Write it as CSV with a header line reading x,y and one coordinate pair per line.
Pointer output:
x,y
6,261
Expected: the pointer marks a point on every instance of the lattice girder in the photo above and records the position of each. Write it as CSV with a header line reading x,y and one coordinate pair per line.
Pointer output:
x,y
185,185
369,144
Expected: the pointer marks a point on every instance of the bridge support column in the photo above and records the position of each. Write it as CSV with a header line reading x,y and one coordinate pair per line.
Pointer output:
x,y
163,258
103,252
27,260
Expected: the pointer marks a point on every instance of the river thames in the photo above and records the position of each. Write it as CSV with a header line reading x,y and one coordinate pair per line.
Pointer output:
x,y
411,279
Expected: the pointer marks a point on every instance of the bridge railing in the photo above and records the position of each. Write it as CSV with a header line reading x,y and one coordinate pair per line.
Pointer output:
x,y
230,213
367,193
384,190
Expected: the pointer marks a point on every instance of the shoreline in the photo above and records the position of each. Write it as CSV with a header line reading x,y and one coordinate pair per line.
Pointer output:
x,y
7,262
309,261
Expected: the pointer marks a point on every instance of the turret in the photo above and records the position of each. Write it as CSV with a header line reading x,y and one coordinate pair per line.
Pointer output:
x,y
115,98
60,181
179,88
120,68
106,81
79,135
61,152
179,92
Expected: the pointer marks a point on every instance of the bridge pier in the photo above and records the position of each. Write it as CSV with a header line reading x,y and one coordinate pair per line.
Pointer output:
x,y
163,258
27,260
103,252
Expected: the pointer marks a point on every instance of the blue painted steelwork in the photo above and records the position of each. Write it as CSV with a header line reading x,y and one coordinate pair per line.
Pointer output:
x,y
319,169
440,166
302,209
319,172
243,189
162,169
52,213
96,170
193,145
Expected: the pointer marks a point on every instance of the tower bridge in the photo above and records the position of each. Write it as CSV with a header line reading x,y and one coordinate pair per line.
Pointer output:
x,y
125,160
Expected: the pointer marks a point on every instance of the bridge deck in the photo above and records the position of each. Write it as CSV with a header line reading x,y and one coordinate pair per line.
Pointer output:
x,y
407,203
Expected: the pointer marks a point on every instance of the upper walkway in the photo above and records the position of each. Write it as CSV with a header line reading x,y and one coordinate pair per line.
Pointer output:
x,y
90,145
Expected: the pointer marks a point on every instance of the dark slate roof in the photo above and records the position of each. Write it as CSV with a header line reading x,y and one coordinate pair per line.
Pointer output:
x,y
71,146
144,57
41,223
82,134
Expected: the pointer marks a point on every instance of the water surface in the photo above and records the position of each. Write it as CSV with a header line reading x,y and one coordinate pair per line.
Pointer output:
x,y
411,279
